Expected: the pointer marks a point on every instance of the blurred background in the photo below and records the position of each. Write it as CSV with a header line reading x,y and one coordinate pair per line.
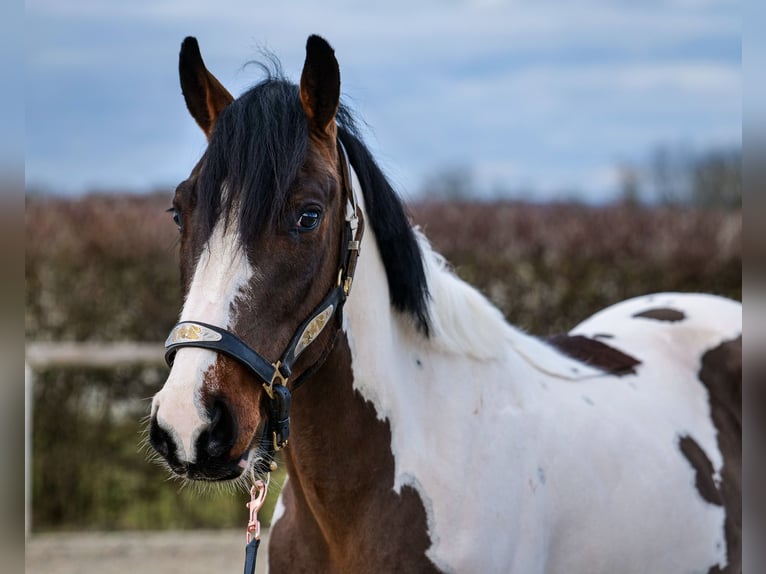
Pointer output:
x,y
562,156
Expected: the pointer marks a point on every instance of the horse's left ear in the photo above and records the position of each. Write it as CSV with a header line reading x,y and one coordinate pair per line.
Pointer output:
x,y
320,86
205,96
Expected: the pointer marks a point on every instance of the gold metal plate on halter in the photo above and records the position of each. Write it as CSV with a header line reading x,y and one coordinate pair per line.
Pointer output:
x,y
186,332
313,329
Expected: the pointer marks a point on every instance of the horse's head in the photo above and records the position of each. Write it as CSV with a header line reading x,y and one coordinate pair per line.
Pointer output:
x,y
263,223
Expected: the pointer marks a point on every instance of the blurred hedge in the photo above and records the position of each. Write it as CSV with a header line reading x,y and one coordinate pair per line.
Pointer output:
x,y
91,468
548,267
101,268
104,268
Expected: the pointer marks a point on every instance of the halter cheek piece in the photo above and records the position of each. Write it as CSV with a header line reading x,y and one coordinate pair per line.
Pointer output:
x,y
275,376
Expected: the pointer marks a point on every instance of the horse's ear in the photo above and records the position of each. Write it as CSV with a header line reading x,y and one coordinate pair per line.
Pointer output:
x,y
205,96
320,86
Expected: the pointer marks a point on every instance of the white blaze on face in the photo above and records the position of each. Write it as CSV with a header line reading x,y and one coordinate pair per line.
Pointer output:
x,y
221,275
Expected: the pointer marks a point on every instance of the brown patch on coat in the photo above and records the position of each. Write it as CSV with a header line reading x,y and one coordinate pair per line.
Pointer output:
x,y
341,512
595,354
662,314
703,470
230,381
721,373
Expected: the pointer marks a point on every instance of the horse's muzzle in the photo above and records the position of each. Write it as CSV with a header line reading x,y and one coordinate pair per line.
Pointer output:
x,y
211,457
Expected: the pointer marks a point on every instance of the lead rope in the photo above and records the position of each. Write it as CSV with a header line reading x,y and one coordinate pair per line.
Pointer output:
x,y
258,492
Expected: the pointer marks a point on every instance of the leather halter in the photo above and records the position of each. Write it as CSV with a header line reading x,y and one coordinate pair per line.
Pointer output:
x,y
274,377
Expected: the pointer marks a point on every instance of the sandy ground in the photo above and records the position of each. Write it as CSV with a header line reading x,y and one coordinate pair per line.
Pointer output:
x,y
182,552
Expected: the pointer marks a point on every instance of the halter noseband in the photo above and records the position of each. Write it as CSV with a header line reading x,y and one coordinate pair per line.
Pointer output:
x,y
275,376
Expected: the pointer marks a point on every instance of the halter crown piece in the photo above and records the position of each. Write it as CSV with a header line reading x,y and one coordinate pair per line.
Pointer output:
x,y
274,377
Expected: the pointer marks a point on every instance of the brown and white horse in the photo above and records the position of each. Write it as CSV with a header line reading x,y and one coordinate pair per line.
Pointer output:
x,y
427,435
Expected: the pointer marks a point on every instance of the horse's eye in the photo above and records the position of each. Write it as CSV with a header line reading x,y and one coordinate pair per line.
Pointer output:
x,y
309,220
177,218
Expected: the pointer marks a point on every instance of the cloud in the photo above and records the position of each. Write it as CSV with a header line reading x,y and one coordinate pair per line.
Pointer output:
x,y
548,91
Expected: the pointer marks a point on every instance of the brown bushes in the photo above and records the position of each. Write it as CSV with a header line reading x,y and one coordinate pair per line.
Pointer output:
x,y
550,266
104,267
101,268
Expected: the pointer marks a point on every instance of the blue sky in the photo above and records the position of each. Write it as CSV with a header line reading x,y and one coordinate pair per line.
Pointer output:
x,y
537,95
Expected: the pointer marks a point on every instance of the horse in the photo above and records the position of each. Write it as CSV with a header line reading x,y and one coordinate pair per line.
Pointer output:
x,y
419,430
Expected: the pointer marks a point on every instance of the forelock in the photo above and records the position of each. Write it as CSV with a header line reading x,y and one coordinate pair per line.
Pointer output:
x,y
256,150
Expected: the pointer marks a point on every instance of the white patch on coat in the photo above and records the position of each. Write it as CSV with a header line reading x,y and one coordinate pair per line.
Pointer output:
x,y
709,321
516,471
222,274
279,507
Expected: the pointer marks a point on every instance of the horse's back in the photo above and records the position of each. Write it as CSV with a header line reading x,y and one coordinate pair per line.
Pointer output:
x,y
690,322
690,364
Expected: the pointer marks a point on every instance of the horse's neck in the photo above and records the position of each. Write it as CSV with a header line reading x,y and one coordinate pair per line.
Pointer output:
x,y
340,457
340,508
335,440
362,445
363,424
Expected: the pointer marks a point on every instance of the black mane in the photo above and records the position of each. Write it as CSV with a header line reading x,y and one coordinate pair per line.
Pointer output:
x,y
258,145
396,241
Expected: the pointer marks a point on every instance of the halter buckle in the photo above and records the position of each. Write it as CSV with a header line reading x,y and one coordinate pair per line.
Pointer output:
x,y
278,419
278,445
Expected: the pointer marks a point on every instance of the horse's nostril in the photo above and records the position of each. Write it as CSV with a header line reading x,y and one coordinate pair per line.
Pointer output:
x,y
160,439
222,432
